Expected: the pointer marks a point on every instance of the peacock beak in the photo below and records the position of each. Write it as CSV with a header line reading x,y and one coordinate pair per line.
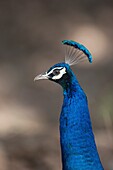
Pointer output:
x,y
41,76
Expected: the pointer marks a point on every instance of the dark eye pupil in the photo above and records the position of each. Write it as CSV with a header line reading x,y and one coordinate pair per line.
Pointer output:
x,y
56,72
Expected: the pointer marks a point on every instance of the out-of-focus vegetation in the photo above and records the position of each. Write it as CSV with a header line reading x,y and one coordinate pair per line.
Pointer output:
x,y
30,42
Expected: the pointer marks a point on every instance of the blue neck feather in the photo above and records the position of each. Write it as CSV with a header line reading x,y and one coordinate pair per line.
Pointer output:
x,y
78,147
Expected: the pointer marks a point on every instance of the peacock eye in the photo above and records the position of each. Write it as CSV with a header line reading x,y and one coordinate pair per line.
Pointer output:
x,y
56,72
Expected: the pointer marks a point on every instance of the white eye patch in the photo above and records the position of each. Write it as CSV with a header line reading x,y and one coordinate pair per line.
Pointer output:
x,y
61,73
59,68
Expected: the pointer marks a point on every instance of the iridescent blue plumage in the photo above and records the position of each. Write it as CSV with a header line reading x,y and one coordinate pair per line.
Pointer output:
x,y
77,141
78,147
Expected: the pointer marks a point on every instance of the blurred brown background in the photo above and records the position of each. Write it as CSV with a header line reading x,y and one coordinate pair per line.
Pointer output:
x,y
30,42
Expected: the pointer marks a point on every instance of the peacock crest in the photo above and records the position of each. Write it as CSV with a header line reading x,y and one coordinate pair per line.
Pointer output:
x,y
76,52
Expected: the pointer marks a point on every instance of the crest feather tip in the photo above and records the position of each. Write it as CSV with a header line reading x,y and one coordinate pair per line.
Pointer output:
x,y
76,53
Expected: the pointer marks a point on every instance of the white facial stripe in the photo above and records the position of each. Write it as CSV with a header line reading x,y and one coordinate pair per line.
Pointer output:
x,y
62,72
54,69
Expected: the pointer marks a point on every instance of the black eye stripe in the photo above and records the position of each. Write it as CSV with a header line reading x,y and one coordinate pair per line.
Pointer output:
x,y
56,72
51,75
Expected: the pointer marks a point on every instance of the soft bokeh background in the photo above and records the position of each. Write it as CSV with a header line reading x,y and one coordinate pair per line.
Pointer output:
x,y
30,42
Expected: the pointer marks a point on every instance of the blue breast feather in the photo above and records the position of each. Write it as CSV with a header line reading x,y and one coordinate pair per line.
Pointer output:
x,y
78,146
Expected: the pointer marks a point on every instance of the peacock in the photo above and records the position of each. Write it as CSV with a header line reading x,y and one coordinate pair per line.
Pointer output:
x,y
78,147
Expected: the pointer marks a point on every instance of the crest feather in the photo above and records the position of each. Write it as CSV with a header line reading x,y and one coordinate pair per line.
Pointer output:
x,y
76,52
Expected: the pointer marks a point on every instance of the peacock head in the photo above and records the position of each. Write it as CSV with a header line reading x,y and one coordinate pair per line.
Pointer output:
x,y
61,73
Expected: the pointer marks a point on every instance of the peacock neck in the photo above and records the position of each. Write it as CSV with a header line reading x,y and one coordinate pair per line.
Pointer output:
x,y
78,147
